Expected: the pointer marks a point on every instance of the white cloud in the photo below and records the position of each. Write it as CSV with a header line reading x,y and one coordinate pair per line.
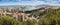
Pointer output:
x,y
47,2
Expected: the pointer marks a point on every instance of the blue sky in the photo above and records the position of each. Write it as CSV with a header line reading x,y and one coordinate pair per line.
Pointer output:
x,y
29,2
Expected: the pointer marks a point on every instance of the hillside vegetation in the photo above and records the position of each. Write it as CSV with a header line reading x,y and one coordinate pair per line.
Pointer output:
x,y
51,17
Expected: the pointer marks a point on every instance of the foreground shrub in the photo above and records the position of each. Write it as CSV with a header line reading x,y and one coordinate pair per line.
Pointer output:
x,y
7,20
30,22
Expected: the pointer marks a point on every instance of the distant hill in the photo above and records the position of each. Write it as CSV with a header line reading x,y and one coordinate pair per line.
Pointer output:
x,y
29,7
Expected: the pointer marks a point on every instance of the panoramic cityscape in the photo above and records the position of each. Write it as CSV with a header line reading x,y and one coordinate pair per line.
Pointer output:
x,y
29,12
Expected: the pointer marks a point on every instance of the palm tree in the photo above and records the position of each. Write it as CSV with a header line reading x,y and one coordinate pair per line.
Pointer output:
x,y
23,8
